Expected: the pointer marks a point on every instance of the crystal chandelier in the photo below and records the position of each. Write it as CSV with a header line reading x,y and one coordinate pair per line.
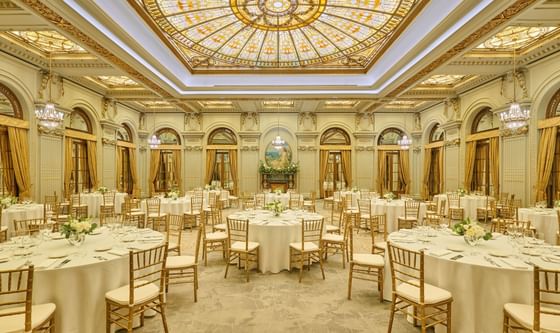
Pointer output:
x,y
404,143
154,141
515,117
47,115
278,142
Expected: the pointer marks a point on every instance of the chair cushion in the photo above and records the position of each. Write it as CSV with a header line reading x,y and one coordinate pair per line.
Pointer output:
x,y
432,294
216,235
221,226
136,213
176,262
368,259
154,215
240,246
333,238
309,246
141,294
380,245
193,212
523,314
16,323
410,218
135,210
332,228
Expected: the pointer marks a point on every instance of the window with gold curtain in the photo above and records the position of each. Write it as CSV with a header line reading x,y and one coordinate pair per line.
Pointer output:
x,y
548,156
9,186
481,174
393,163
335,165
221,159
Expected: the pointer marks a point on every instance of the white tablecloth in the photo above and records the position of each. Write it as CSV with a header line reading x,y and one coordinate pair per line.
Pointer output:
x,y
393,209
544,220
170,206
78,288
274,234
479,288
355,196
95,199
21,212
469,202
283,197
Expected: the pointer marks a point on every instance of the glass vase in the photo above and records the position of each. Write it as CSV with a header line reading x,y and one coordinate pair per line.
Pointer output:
x,y
76,239
472,241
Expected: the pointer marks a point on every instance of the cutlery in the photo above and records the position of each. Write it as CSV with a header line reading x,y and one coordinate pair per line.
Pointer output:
x,y
492,261
459,256
101,258
63,263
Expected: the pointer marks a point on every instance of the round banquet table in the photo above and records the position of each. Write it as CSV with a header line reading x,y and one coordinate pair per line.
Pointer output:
x,y
284,198
171,206
354,194
393,209
545,220
78,288
95,199
21,212
469,202
479,288
274,235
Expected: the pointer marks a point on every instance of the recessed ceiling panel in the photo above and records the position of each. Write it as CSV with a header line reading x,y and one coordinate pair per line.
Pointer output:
x,y
278,34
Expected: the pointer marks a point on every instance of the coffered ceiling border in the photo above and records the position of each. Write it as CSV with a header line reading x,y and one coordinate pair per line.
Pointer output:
x,y
516,8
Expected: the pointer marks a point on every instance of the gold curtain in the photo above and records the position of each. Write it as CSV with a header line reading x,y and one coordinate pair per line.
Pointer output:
x,y
19,147
8,174
133,171
323,165
470,157
155,157
346,162
427,167
545,159
119,172
177,169
233,168
440,169
381,171
68,166
210,163
494,155
404,170
92,162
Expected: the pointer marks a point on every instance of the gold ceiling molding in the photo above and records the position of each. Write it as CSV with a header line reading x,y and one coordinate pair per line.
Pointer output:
x,y
111,82
54,18
501,18
278,36
519,37
46,41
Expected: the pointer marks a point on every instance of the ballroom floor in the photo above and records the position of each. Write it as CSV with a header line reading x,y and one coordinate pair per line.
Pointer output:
x,y
276,302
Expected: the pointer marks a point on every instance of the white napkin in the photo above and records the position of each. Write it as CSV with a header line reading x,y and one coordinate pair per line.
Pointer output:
x,y
46,263
118,252
439,252
514,263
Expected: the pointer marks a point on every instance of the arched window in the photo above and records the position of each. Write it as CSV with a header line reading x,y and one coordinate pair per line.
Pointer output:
x,y
222,167
168,136
436,134
124,172
124,133
391,177
553,188
10,107
553,109
335,153
390,136
80,178
484,121
169,163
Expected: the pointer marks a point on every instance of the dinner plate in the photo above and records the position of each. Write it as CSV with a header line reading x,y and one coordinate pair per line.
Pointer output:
x,y
455,248
103,248
57,235
530,252
498,253
58,254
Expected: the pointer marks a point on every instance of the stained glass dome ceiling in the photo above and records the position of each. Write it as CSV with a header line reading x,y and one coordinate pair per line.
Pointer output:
x,y
326,35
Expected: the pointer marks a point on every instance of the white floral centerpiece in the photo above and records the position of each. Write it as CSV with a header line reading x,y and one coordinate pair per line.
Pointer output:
x,y
278,191
389,196
8,200
462,192
173,194
354,189
75,230
471,231
102,189
276,207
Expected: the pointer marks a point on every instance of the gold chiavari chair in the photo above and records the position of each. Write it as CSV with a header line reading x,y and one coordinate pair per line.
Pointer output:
x,y
145,290
431,305
364,207
174,233
193,216
454,211
154,214
233,200
544,314
328,200
488,212
29,226
336,243
349,211
260,201
239,247
132,216
557,232
77,208
337,199
366,266
212,241
18,314
379,225
309,204
49,206
365,194
432,220
108,206
411,212
294,201
60,217
182,268
309,249
502,225
334,218
3,229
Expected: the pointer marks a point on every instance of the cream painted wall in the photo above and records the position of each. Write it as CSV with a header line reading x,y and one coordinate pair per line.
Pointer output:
x,y
518,153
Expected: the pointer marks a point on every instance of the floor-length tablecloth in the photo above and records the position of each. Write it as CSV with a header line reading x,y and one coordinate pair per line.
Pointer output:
x,y
21,212
468,202
393,209
544,220
94,201
171,206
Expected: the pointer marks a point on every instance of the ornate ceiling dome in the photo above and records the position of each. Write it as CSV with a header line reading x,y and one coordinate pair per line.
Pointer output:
x,y
279,34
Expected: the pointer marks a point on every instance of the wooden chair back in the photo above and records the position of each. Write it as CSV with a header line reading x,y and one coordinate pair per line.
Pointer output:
x,y
407,267
153,206
260,200
364,206
146,267
411,208
295,201
453,200
16,293
311,231
75,199
196,204
174,229
546,292
29,226
365,194
238,231
378,225
109,198
432,220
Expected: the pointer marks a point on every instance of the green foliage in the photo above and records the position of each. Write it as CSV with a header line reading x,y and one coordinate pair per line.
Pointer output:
x,y
290,169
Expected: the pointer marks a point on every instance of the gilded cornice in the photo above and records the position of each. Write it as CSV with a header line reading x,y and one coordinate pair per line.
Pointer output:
x,y
7,4
485,29
54,18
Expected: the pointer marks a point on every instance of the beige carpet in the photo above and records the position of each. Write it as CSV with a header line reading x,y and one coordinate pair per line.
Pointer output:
x,y
276,302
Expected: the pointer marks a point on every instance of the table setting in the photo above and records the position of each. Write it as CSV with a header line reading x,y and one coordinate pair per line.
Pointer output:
x,y
482,273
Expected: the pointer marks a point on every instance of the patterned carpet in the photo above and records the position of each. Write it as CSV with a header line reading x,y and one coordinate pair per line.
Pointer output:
x,y
276,302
